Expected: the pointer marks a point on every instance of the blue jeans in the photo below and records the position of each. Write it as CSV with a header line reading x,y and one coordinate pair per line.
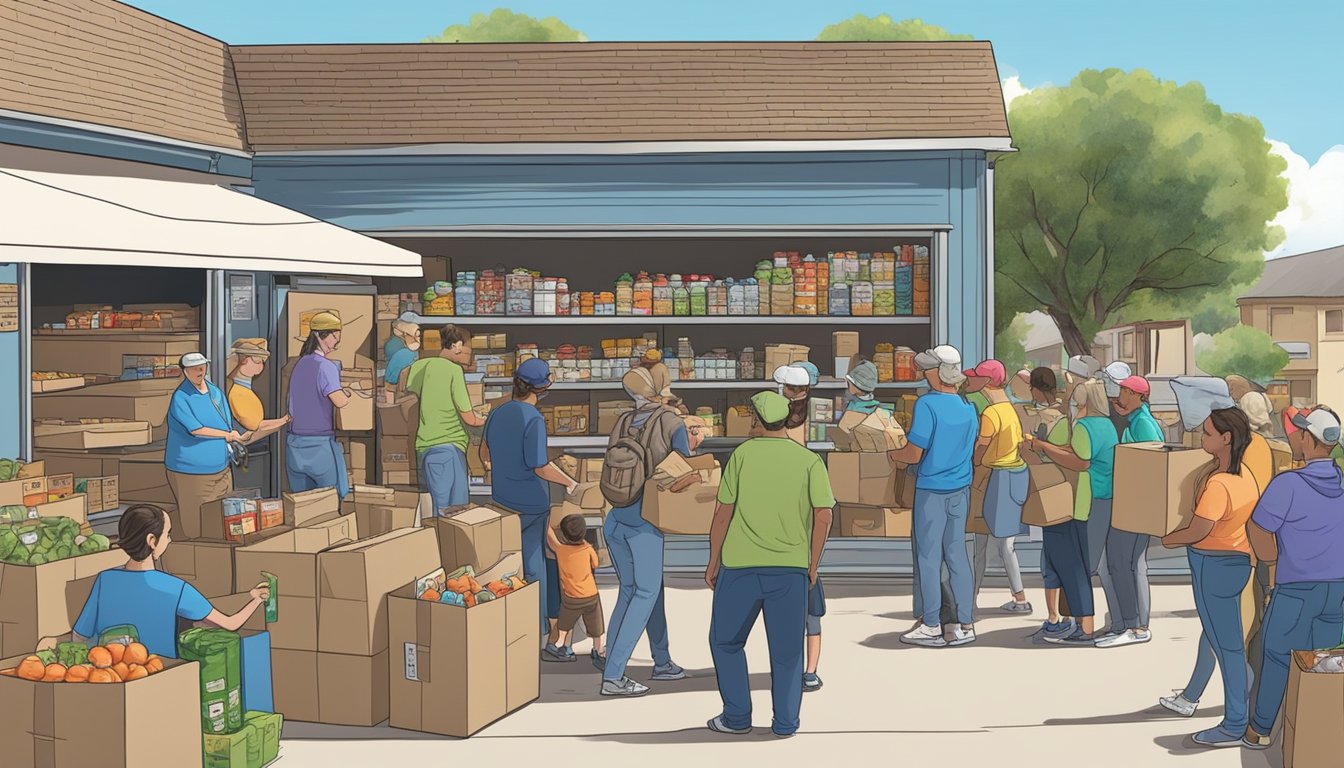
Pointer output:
x,y
740,596
1301,616
940,538
637,554
313,462
534,558
443,469
1218,580
1205,663
1064,565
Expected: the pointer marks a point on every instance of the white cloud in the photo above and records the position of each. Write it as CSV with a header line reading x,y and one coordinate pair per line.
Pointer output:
x,y
1314,218
1012,88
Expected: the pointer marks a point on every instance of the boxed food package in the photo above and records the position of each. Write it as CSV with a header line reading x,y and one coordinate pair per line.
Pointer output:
x,y
144,401
779,355
740,421
27,483
682,495
228,519
205,565
100,726
399,419
867,479
218,652
1049,496
853,521
1313,710
88,434
355,578
844,344
60,486
873,432
38,601
357,416
270,513
319,504
1155,487
456,670
477,536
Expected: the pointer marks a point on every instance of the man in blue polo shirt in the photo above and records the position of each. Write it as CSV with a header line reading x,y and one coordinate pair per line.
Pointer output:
x,y
200,440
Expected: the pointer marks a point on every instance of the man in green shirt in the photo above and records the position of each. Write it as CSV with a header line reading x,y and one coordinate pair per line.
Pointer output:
x,y
773,516
445,413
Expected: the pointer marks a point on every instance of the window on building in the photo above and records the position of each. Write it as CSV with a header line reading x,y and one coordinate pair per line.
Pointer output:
x,y
1334,321
1127,345
1279,320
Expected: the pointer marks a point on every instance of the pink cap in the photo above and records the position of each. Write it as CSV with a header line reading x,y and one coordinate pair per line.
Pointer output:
x,y
1137,384
990,370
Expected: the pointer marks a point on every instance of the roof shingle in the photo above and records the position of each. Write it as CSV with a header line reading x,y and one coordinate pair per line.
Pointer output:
x,y
1318,274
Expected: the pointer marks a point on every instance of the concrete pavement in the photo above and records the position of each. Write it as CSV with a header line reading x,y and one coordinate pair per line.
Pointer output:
x,y
1002,701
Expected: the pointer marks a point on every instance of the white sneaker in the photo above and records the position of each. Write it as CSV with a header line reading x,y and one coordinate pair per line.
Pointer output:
x,y
926,636
1179,704
962,637
1128,637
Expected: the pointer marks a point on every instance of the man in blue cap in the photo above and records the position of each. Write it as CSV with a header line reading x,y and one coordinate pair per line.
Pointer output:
x,y
769,529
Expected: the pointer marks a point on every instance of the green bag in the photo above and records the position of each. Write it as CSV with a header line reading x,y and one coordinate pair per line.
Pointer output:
x,y
269,725
233,750
219,652
273,602
122,633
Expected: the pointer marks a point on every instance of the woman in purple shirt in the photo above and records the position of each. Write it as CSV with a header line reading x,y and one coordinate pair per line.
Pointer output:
x,y
313,458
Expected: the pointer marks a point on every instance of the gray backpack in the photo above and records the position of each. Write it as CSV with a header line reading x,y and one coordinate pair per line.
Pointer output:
x,y
635,452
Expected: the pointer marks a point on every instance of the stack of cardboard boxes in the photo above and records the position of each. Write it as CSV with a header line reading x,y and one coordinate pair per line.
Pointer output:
x,y
874,494
397,425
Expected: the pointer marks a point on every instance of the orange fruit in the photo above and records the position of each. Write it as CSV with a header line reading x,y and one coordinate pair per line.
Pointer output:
x,y
100,657
154,664
55,673
100,675
32,668
136,654
135,673
78,673
122,669
117,651
431,595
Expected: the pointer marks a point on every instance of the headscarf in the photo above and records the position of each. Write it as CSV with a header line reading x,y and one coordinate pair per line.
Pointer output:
x,y
644,384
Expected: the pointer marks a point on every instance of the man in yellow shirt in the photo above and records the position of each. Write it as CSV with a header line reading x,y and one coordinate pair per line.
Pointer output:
x,y
1006,489
249,360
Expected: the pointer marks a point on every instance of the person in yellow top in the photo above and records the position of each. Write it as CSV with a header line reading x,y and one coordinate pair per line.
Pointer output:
x,y
996,449
1220,566
249,360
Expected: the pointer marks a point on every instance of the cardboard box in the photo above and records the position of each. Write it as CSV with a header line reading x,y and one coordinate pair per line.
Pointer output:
x,y
873,432
23,492
401,478
689,510
1049,496
608,412
1281,454
101,493
853,521
38,601
399,419
100,726
1312,713
228,519
866,479
60,487
975,516
73,508
358,455
844,344
356,311
331,688
587,496
270,513
396,454
778,355
354,580
98,352
740,421
205,565
88,436
318,504
456,670
1155,487
233,750
358,414
478,536
143,401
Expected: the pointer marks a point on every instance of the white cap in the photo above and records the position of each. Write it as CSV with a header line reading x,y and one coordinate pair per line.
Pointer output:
x,y
192,360
1083,366
792,376
1322,424
941,355
1113,374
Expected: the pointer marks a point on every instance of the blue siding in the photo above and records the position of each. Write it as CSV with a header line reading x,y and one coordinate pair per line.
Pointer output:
x,y
10,381
28,133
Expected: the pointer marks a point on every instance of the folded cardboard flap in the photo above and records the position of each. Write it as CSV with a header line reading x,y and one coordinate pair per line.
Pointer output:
x,y
300,508
587,496
478,536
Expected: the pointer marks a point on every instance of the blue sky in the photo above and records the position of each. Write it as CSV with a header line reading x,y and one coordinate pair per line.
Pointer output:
x,y
1277,61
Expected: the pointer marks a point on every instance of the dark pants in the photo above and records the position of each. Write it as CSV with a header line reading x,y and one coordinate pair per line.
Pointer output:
x,y
534,562
740,596
1123,551
1064,547
1218,579
1301,616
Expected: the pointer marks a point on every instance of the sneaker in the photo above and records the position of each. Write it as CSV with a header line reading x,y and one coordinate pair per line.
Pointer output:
x,y
1128,637
1062,628
598,660
623,687
668,673
1255,741
1216,738
1012,606
1076,639
926,636
962,637
718,726
1179,704
811,682
552,653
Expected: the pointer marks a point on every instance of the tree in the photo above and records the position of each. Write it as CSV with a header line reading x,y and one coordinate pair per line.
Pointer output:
x,y
505,26
1010,345
871,28
1127,188
1244,350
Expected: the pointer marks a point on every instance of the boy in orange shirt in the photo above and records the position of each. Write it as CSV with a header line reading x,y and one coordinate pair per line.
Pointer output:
x,y
577,560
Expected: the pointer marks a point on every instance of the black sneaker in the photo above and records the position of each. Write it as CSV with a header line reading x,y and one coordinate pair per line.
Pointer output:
x,y
1076,639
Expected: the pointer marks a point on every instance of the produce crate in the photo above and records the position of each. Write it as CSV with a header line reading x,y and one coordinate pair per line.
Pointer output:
x,y
88,434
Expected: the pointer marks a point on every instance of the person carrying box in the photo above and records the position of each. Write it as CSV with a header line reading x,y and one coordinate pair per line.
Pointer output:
x,y
1054,428
579,598
446,411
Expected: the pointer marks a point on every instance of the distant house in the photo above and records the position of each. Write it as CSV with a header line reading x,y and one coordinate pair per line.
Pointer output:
x,y
1299,302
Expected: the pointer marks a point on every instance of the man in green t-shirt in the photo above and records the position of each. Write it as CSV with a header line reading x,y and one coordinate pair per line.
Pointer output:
x,y
773,516
445,413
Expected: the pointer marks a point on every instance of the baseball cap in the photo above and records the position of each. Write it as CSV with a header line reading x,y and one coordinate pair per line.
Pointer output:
x,y
1321,423
326,321
864,376
772,407
534,372
992,371
812,373
1112,375
1137,384
938,356
791,376
192,360
1083,366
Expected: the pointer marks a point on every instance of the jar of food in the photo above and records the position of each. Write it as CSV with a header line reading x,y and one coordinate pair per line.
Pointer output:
x,y
905,365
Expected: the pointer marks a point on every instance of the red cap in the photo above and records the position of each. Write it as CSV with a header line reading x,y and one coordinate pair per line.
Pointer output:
x,y
1137,384
990,370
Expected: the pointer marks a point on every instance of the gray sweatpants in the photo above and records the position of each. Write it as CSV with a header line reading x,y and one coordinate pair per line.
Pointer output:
x,y
1007,555
1125,552
1098,532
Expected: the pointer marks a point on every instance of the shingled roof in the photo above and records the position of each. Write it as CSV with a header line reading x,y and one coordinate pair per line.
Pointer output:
x,y
345,96
103,62
1317,274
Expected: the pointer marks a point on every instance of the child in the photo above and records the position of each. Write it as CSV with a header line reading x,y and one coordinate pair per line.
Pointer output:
x,y
816,608
577,559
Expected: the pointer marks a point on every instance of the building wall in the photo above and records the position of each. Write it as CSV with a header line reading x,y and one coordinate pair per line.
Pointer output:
x,y
387,194
1304,322
11,378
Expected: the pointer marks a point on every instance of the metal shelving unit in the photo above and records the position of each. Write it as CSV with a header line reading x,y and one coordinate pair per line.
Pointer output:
x,y
725,384
625,320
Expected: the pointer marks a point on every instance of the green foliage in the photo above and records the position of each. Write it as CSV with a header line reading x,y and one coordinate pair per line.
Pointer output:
x,y
1010,345
1216,311
873,28
1127,189
1244,350
505,26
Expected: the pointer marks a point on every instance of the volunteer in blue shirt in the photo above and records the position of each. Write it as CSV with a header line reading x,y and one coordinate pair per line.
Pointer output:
x,y
943,431
514,449
151,600
200,440
401,350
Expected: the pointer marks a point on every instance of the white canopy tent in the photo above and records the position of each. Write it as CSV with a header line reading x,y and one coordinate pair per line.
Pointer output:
x,y
57,218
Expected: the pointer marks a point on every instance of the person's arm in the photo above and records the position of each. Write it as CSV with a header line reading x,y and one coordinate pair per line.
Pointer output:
x,y
484,453
86,626
1263,543
552,540
982,444
552,474
462,402
822,500
718,532
329,383
534,455
919,436
1271,512
1198,530
592,558
260,594
1060,455
1213,505
681,441
180,411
